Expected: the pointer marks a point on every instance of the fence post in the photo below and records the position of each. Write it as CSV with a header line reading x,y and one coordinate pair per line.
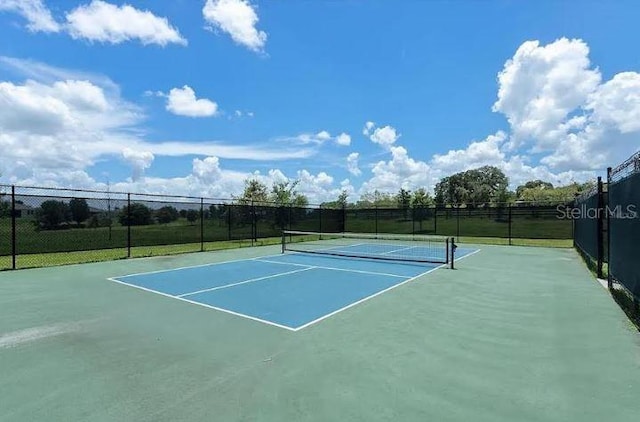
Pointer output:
x,y
320,222
599,228
13,227
435,219
413,221
229,208
201,224
458,222
609,278
128,225
344,218
254,229
376,219
510,220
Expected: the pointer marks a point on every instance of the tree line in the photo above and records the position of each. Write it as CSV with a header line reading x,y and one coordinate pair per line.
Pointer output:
x,y
483,186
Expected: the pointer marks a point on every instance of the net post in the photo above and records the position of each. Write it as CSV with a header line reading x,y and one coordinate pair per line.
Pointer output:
x,y
284,239
599,228
13,227
609,277
453,251
447,250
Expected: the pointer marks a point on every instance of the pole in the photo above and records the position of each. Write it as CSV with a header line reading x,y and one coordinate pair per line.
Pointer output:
x,y
128,225
376,218
458,221
609,277
599,228
510,221
201,224
13,227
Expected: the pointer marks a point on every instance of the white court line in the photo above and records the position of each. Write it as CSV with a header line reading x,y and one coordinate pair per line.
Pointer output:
x,y
315,321
469,254
210,264
401,249
376,294
245,282
193,302
333,268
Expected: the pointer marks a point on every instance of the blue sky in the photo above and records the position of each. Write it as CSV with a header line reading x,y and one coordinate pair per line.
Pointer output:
x,y
193,97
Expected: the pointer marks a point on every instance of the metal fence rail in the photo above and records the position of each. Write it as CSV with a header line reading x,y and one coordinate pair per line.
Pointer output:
x,y
38,223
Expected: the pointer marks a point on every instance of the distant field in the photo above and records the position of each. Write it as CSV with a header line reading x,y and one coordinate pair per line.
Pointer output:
x,y
56,247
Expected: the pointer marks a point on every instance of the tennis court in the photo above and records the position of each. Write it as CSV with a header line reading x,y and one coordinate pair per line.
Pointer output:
x,y
297,289
513,333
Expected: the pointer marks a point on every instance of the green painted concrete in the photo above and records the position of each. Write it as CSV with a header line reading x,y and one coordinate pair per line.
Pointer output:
x,y
513,334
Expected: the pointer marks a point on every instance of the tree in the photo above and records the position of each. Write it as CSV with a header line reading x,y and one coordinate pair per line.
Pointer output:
x,y
136,215
533,184
192,215
420,200
300,201
254,191
167,214
340,202
52,214
284,193
5,207
376,199
342,199
403,199
79,210
480,186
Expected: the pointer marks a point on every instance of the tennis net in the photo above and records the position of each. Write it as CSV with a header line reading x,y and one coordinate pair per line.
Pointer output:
x,y
392,247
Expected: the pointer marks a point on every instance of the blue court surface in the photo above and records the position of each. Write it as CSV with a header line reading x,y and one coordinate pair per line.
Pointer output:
x,y
290,291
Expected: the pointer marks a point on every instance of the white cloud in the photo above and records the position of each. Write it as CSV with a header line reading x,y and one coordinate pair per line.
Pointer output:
x,y
320,138
541,85
64,127
38,16
237,18
385,136
368,126
183,102
616,103
343,139
138,160
104,22
477,154
558,108
352,164
207,170
401,171
323,136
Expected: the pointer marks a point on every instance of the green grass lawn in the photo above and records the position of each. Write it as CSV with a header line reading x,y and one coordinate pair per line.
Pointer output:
x,y
36,248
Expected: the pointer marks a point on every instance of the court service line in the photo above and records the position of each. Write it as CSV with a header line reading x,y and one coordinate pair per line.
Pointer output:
x,y
398,250
333,268
193,302
210,264
251,280
351,305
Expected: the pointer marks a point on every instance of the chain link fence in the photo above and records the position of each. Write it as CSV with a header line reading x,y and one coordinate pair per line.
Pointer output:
x,y
40,226
624,232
